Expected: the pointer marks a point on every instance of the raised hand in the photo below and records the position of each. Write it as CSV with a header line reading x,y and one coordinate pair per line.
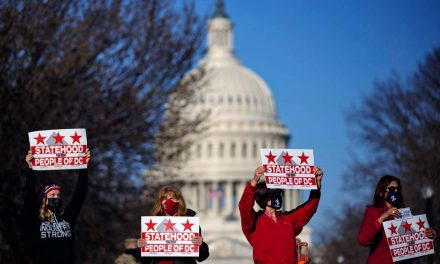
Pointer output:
x,y
142,243
259,172
88,155
29,158
318,175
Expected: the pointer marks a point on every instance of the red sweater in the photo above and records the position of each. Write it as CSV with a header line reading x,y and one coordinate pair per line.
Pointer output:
x,y
274,242
372,234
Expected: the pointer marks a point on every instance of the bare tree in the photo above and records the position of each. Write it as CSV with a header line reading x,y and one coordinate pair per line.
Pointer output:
x,y
338,238
106,65
399,127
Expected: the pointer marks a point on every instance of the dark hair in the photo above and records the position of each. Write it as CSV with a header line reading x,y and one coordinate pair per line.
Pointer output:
x,y
382,184
263,194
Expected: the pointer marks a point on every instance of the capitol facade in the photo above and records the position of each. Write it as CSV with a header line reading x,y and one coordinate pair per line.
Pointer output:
x,y
242,120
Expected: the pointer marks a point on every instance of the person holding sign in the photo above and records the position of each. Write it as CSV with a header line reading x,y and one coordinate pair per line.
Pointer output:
x,y
49,225
170,202
386,203
272,232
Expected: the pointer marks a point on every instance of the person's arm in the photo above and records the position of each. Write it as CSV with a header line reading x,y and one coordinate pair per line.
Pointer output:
x,y
247,214
372,224
203,249
303,213
30,198
30,209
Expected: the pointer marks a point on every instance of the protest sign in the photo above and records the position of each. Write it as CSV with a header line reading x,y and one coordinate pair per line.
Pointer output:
x,y
289,168
60,149
407,239
169,236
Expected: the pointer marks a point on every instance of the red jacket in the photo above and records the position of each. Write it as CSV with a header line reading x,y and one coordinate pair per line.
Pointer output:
x,y
274,242
372,234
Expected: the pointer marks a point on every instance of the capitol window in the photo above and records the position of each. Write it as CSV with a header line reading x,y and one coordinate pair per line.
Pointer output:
x,y
199,150
244,150
221,149
254,150
232,150
209,150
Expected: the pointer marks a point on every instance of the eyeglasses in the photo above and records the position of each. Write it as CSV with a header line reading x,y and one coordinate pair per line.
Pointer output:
x,y
393,188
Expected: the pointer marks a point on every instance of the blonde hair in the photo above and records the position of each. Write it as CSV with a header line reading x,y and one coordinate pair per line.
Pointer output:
x,y
44,213
163,193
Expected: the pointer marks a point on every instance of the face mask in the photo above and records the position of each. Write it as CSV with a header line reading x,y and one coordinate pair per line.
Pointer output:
x,y
276,201
394,197
55,205
134,252
170,207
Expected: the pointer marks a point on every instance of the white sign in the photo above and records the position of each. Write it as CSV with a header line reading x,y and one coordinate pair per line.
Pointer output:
x,y
60,149
289,168
407,239
169,236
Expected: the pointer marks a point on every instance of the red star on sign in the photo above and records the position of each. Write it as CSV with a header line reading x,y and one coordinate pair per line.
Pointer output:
x,y
407,226
393,229
75,138
58,138
287,158
421,224
187,225
150,225
169,225
270,157
303,158
39,139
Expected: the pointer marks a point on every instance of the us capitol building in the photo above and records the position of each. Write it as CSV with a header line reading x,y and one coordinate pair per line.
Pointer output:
x,y
242,120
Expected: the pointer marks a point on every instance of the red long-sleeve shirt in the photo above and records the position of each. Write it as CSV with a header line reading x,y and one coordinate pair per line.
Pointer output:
x,y
372,234
274,242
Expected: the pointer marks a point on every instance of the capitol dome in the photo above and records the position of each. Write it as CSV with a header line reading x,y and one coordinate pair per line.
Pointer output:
x,y
234,88
242,120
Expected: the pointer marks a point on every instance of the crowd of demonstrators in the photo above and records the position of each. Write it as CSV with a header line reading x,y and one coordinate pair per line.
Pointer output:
x,y
50,226
271,232
386,202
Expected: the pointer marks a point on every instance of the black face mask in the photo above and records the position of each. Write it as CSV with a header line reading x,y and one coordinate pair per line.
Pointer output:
x,y
276,201
394,197
55,205
135,252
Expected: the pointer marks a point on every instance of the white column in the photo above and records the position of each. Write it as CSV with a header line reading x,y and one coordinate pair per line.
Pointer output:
x,y
296,198
193,194
228,198
202,197
214,198
288,200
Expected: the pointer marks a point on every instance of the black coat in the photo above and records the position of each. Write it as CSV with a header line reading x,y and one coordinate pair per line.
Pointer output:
x,y
52,241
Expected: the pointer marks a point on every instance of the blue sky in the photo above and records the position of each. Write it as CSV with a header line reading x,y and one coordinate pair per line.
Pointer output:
x,y
320,58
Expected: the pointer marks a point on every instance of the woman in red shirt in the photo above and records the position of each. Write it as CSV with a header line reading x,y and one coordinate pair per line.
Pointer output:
x,y
170,202
272,232
386,202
